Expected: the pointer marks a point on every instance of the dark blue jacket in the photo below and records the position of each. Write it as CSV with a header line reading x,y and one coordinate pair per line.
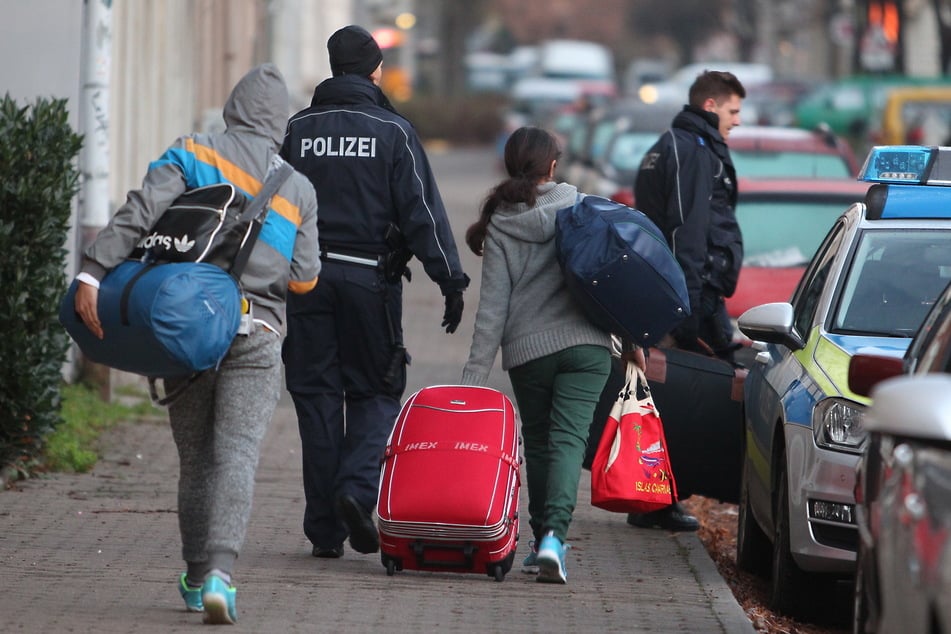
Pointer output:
x,y
369,169
687,185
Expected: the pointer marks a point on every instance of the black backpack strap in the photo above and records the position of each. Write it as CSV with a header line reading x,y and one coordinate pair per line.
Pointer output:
x,y
258,209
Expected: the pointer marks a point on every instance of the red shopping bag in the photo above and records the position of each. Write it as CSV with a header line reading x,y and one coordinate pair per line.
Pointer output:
x,y
631,468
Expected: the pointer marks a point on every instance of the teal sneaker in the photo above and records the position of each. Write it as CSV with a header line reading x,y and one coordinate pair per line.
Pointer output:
x,y
191,595
530,563
551,560
218,598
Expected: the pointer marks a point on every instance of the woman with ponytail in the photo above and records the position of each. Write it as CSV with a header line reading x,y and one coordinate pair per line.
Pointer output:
x,y
557,361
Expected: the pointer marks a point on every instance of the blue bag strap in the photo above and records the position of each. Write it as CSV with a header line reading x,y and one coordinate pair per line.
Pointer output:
x,y
127,292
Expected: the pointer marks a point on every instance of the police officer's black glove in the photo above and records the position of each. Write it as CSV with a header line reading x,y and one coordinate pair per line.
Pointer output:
x,y
453,314
687,332
709,301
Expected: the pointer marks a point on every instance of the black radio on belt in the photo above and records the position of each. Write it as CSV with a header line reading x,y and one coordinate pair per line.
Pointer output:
x,y
397,255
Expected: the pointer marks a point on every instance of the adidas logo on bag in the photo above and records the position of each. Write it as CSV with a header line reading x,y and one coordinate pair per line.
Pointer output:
x,y
183,244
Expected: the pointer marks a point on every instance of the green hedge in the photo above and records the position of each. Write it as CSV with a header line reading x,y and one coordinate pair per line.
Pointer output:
x,y
38,179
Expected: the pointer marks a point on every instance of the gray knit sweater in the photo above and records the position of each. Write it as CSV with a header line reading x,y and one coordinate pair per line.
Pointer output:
x,y
524,305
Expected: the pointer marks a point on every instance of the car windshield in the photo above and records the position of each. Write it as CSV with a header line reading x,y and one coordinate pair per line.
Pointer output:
x,y
628,149
761,164
895,278
602,134
778,233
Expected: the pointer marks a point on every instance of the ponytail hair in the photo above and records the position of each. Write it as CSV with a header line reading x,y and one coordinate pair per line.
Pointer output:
x,y
529,152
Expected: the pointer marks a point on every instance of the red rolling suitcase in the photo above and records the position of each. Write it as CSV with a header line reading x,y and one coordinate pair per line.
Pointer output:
x,y
450,483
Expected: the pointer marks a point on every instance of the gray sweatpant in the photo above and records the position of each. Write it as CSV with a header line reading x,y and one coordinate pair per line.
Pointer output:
x,y
218,424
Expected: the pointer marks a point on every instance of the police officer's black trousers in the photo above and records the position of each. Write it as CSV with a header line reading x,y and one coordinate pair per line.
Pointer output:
x,y
339,345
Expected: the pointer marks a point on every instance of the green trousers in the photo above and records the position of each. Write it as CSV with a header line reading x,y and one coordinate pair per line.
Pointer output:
x,y
556,397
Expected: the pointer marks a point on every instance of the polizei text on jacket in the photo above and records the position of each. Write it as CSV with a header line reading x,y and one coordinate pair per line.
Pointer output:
x,y
358,146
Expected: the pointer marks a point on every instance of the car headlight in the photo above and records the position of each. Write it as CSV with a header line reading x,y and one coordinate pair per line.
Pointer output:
x,y
837,424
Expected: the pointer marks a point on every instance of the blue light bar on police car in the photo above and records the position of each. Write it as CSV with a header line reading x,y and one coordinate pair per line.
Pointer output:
x,y
904,164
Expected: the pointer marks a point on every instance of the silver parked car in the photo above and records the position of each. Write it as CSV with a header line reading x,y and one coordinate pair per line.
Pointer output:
x,y
903,485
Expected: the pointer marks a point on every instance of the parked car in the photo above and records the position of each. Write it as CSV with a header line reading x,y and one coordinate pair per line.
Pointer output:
x,y
867,288
783,221
774,102
614,174
555,104
848,105
919,115
781,152
674,90
583,160
903,483
646,70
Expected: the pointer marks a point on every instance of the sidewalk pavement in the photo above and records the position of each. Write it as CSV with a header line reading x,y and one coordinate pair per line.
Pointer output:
x,y
100,553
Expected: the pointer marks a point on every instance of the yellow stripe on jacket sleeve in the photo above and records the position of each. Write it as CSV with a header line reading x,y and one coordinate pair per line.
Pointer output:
x,y
299,288
287,209
242,180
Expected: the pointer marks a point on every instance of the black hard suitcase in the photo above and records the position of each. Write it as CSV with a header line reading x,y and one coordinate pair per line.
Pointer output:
x,y
700,401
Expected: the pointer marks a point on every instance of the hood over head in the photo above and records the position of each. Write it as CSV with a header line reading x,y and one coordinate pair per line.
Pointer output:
x,y
259,103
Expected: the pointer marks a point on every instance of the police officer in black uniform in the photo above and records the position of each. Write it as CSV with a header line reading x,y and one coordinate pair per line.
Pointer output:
x,y
378,206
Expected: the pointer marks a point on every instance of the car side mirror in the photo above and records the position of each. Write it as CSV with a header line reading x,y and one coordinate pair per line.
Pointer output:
x,y
916,405
868,370
772,323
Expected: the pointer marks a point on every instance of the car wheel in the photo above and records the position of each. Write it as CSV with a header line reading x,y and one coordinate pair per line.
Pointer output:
x,y
752,545
866,606
790,588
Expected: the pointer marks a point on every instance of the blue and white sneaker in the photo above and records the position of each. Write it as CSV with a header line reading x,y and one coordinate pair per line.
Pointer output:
x,y
191,595
551,560
218,597
530,563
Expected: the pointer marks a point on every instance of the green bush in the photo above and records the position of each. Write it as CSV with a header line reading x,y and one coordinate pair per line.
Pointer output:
x,y
38,179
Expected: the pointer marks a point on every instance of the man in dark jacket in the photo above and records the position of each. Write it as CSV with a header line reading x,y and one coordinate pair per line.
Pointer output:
x,y
687,185
344,355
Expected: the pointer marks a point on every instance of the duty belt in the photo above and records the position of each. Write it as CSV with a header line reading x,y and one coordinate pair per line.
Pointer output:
x,y
373,263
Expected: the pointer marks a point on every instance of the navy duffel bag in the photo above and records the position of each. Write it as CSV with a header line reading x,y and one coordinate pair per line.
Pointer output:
x,y
159,320
620,270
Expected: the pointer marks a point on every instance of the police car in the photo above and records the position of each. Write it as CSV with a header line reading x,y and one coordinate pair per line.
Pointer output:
x,y
867,289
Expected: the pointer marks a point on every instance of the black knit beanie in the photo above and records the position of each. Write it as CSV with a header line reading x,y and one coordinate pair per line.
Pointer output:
x,y
353,51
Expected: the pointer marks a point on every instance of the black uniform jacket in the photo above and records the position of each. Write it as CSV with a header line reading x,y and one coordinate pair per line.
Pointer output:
x,y
687,185
369,169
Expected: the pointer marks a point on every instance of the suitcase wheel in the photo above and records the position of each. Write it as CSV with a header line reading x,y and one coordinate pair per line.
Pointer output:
x,y
498,572
391,563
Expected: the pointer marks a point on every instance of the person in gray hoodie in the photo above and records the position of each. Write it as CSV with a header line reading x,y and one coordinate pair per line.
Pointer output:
x,y
557,361
219,421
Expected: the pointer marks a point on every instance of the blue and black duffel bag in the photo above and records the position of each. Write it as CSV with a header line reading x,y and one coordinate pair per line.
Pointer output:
x,y
620,270
164,320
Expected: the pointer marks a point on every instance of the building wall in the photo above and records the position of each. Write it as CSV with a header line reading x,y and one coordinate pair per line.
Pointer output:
x,y
174,63
40,43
